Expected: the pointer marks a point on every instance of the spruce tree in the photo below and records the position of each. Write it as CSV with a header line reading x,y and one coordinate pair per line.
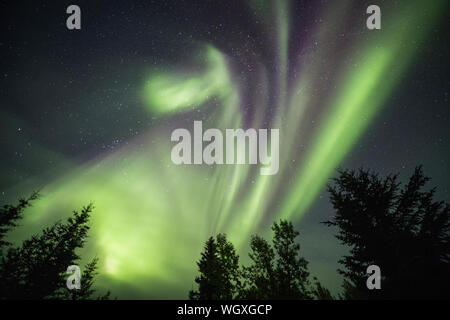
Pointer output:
x,y
219,271
36,269
402,229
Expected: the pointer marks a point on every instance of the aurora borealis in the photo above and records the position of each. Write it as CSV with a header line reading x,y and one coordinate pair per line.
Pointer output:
x,y
87,116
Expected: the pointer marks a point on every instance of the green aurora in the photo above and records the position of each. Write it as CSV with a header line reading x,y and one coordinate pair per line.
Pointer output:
x,y
151,216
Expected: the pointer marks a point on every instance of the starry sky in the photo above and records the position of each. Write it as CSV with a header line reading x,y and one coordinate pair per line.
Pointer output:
x,y
86,115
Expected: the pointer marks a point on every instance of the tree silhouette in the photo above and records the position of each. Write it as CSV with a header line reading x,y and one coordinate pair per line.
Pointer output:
x,y
277,271
400,229
9,215
219,271
259,277
37,268
319,292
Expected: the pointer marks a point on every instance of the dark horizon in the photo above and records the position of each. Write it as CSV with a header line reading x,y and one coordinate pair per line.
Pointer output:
x,y
87,116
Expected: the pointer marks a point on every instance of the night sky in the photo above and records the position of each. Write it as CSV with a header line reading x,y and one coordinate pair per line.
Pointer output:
x,y
86,115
